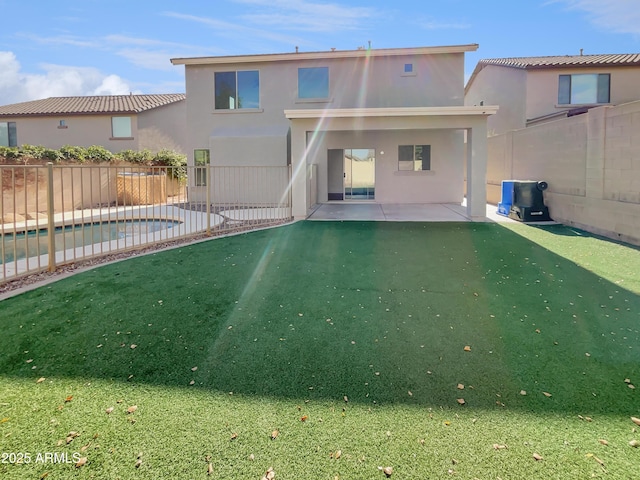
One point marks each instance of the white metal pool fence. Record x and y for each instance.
(98, 210)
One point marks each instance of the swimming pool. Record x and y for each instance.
(36, 242)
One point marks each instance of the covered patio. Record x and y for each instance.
(311, 127)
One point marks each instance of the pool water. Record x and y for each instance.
(36, 243)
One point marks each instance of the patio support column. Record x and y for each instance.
(298, 170)
(477, 171)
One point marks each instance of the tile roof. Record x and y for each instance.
(565, 61)
(559, 61)
(91, 104)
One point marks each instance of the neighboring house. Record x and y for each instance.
(531, 90)
(375, 125)
(116, 122)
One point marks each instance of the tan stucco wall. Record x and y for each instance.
(373, 82)
(156, 129)
(443, 184)
(163, 128)
(82, 130)
(542, 88)
(527, 94)
(505, 87)
(592, 165)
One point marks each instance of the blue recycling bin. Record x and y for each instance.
(506, 200)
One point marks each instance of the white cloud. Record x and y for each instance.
(55, 81)
(112, 85)
(619, 16)
(151, 53)
(308, 16)
(236, 31)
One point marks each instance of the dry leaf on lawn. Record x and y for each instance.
(461, 401)
(81, 462)
(603, 441)
(40, 380)
(634, 443)
(537, 456)
(546, 394)
(269, 474)
(210, 469)
(274, 434)
(497, 446)
(635, 420)
(68, 399)
(109, 410)
(467, 348)
(132, 408)
(460, 386)
(338, 454)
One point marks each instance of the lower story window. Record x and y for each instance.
(201, 158)
(8, 134)
(414, 158)
(121, 127)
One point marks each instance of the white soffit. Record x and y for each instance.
(485, 110)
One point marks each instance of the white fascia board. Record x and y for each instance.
(391, 112)
(293, 56)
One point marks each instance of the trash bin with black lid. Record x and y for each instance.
(523, 201)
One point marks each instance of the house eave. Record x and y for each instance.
(323, 55)
(484, 110)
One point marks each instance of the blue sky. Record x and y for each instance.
(95, 47)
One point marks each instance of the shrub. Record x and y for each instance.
(31, 152)
(52, 155)
(177, 162)
(9, 153)
(98, 154)
(73, 153)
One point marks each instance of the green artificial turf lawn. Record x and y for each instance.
(360, 329)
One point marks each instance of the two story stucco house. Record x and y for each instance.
(374, 125)
(116, 122)
(532, 90)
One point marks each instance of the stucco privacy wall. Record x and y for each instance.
(592, 165)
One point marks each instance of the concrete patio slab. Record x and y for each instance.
(430, 212)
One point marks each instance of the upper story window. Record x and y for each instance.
(584, 88)
(8, 134)
(234, 90)
(414, 158)
(313, 82)
(121, 127)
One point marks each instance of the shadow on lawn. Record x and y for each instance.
(380, 312)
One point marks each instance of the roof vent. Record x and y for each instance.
(581, 50)
(296, 49)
